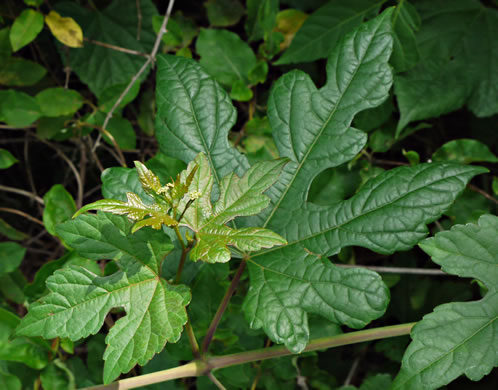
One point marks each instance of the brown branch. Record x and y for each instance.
(134, 79)
(223, 305)
(483, 193)
(22, 192)
(22, 214)
(117, 48)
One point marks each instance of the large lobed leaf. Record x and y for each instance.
(311, 127)
(79, 300)
(457, 338)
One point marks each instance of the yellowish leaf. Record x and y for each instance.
(288, 22)
(65, 29)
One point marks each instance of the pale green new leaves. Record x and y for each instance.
(237, 197)
(79, 300)
(135, 208)
(457, 338)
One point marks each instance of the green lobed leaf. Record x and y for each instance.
(6, 159)
(79, 300)
(18, 108)
(237, 197)
(456, 62)
(324, 28)
(59, 101)
(11, 256)
(15, 71)
(389, 213)
(59, 207)
(457, 338)
(100, 67)
(406, 22)
(195, 114)
(464, 151)
(25, 28)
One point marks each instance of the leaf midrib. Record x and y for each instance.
(320, 132)
(197, 126)
(355, 217)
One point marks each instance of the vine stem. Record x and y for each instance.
(222, 307)
(204, 367)
(146, 64)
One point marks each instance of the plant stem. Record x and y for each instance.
(193, 340)
(22, 192)
(146, 64)
(223, 305)
(396, 270)
(203, 367)
(22, 214)
(179, 236)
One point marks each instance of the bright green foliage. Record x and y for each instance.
(59, 101)
(18, 108)
(97, 66)
(222, 13)
(406, 22)
(59, 207)
(6, 159)
(322, 31)
(457, 338)
(25, 28)
(464, 151)
(237, 197)
(11, 255)
(457, 62)
(187, 202)
(79, 300)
